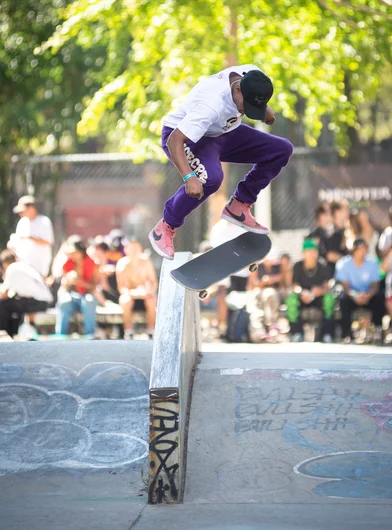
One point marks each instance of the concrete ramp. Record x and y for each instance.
(295, 434)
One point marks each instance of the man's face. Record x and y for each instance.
(325, 219)
(310, 255)
(29, 212)
(360, 252)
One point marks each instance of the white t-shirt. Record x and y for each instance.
(209, 109)
(26, 282)
(27, 250)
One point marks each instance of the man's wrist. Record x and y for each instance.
(189, 175)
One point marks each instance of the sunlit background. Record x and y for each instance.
(84, 85)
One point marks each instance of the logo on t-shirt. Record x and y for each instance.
(230, 122)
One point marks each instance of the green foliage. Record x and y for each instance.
(328, 52)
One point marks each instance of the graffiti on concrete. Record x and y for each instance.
(351, 475)
(381, 411)
(53, 417)
(164, 447)
(320, 409)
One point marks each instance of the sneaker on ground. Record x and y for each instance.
(128, 335)
(161, 239)
(327, 338)
(239, 213)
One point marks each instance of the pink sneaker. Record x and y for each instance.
(239, 213)
(161, 238)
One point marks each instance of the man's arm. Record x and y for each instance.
(38, 240)
(175, 144)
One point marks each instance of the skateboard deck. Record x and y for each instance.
(215, 265)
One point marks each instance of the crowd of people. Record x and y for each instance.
(346, 268)
(346, 265)
(107, 271)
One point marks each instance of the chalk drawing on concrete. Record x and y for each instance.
(51, 416)
(381, 411)
(350, 474)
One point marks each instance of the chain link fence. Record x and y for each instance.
(93, 194)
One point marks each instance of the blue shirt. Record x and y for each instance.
(359, 278)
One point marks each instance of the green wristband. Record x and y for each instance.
(193, 174)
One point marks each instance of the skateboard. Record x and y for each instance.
(215, 265)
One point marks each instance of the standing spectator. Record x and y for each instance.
(360, 277)
(386, 266)
(310, 289)
(361, 227)
(23, 291)
(79, 281)
(323, 227)
(385, 241)
(33, 238)
(137, 284)
(334, 243)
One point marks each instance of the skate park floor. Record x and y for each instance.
(293, 436)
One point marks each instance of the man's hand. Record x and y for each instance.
(362, 299)
(194, 188)
(317, 291)
(270, 116)
(307, 297)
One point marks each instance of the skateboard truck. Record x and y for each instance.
(203, 294)
(253, 267)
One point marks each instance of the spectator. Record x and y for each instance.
(137, 284)
(360, 278)
(116, 250)
(361, 227)
(286, 269)
(23, 291)
(386, 266)
(79, 281)
(267, 279)
(310, 289)
(107, 288)
(33, 238)
(385, 241)
(334, 244)
(323, 227)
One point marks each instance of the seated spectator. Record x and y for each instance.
(79, 281)
(23, 291)
(333, 244)
(267, 279)
(137, 284)
(107, 287)
(385, 241)
(116, 250)
(286, 270)
(310, 289)
(360, 278)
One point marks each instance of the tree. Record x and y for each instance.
(328, 53)
(40, 96)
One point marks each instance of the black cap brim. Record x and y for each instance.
(255, 113)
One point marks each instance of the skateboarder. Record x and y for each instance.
(206, 130)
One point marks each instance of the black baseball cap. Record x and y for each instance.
(257, 89)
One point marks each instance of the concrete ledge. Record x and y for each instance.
(176, 348)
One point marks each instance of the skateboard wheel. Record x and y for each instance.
(203, 295)
(253, 267)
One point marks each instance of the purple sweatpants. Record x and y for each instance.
(244, 145)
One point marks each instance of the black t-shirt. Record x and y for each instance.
(334, 243)
(308, 278)
(273, 271)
